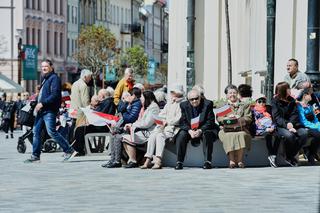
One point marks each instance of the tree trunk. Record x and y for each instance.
(228, 42)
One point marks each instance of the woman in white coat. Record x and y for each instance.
(167, 127)
(141, 128)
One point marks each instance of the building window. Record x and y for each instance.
(33, 4)
(68, 13)
(72, 15)
(48, 42)
(55, 51)
(39, 4)
(27, 4)
(72, 45)
(122, 22)
(55, 7)
(28, 35)
(48, 6)
(75, 15)
(61, 44)
(39, 40)
(118, 15)
(68, 48)
(33, 36)
(61, 7)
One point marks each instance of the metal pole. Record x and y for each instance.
(12, 36)
(313, 43)
(190, 41)
(228, 42)
(271, 24)
(131, 23)
(19, 60)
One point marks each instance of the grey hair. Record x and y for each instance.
(85, 73)
(128, 71)
(194, 91)
(110, 91)
(139, 85)
(160, 95)
(199, 88)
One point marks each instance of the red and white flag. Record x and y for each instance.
(195, 122)
(223, 111)
(72, 113)
(99, 118)
(65, 96)
(158, 120)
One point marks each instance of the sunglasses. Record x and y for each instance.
(261, 101)
(194, 99)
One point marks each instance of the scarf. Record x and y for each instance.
(262, 110)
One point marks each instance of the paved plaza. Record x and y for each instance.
(84, 186)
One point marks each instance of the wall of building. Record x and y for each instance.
(248, 42)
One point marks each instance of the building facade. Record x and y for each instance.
(248, 24)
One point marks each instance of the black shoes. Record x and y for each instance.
(131, 165)
(179, 166)
(112, 165)
(207, 165)
(7, 136)
(11, 135)
(32, 159)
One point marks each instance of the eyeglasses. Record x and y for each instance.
(261, 101)
(194, 99)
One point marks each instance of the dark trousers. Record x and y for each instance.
(272, 145)
(293, 141)
(81, 131)
(183, 137)
(8, 124)
(315, 141)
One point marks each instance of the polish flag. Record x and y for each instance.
(158, 120)
(223, 111)
(99, 118)
(195, 122)
(68, 104)
(72, 113)
(65, 96)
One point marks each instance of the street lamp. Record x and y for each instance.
(20, 52)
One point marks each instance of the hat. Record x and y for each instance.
(260, 96)
(177, 88)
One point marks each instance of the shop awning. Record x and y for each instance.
(7, 85)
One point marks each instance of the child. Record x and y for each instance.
(265, 127)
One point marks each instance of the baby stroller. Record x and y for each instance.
(27, 119)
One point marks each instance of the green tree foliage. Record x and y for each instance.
(136, 58)
(95, 47)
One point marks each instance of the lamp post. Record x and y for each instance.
(19, 60)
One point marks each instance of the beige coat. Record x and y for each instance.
(233, 141)
(79, 94)
(171, 113)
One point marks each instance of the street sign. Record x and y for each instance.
(110, 73)
(30, 62)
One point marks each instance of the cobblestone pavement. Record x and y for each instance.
(84, 186)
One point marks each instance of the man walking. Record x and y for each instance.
(46, 111)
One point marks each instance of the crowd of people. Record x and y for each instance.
(148, 120)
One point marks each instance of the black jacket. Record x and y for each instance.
(284, 112)
(207, 117)
(50, 93)
(107, 106)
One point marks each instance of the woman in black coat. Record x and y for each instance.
(8, 116)
(286, 118)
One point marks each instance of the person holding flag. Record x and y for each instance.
(167, 126)
(235, 139)
(197, 123)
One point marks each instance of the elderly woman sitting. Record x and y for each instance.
(235, 141)
(167, 126)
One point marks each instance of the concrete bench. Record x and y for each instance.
(256, 156)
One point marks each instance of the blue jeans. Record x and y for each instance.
(49, 119)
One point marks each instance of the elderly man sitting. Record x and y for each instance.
(197, 123)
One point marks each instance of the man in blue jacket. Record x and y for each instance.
(46, 110)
